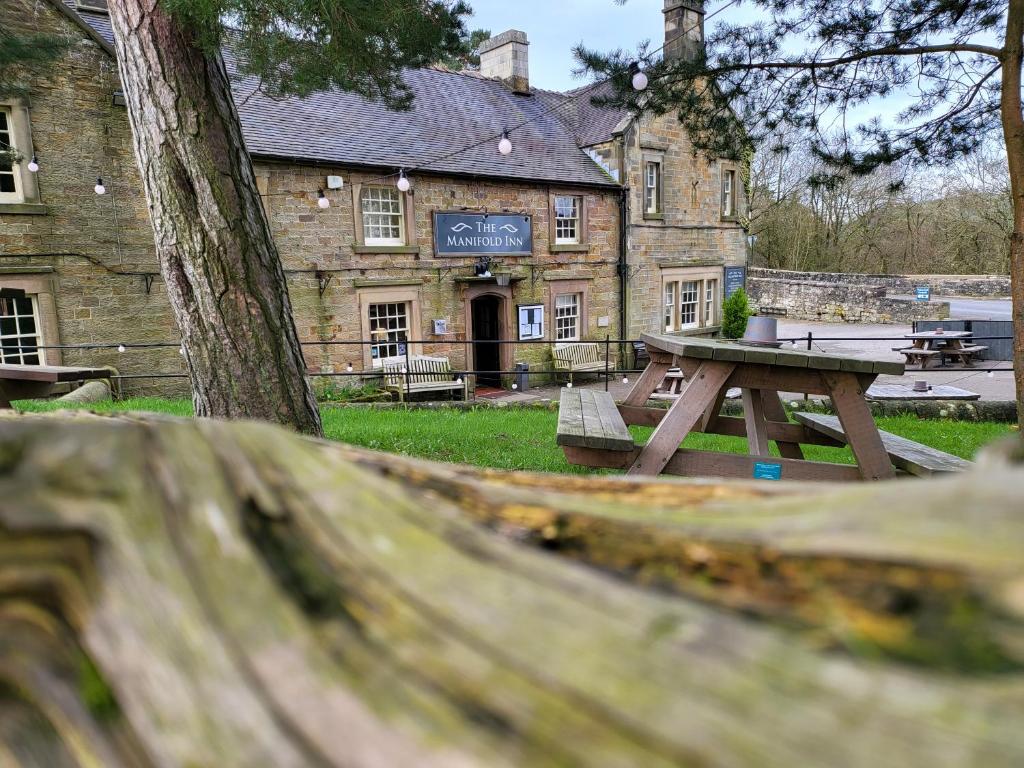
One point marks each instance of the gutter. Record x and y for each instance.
(623, 265)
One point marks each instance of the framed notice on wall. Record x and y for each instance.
(531, 321)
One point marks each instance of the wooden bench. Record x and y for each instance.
(908, 455)
(589, 418)
(578, 357)
(917, 355)
(965, 353)
(25, 382)
(426, 374)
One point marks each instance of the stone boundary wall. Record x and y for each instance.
(804, 299)
(965, 286)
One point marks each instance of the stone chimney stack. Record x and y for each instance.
(506, 56)
(684, 28)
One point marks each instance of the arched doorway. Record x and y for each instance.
(486, 320)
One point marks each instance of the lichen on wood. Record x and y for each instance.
(238, 595)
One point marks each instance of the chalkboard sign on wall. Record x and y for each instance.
(735, 278)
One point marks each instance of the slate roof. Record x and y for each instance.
(450, 112)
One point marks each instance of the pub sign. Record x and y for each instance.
(474, 234)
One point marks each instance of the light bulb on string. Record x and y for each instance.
(348, 368)
(991, 374)
(321, 199)
(514, 385)
(625, 379)
(403, 182)
(569, 385)
(120, 347)
(505, 145)
(33, 164)
(99, 189)
(640, 80)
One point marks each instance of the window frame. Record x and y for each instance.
(706, 313)
(563, 287)
(728, 175)
(390, 294)
(582, 242)
(38, 334)
(577, 316)
(577, 219)
(379, 361)
(399, 215)
(18, 195)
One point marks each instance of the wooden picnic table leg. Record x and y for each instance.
(847, 395)
(648, 381)
(757, 426)
(700, 392)
(712, 413)
(775, 411)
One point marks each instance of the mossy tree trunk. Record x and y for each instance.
(224, 594)
(223, 273)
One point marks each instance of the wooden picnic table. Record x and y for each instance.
(595, 431)
(927, 345)
(24, 382)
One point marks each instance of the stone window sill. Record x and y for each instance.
(654, 216)
(570, 248)
(23, 209)
(37, 270)
(414, 249)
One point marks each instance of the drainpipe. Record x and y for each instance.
(623, 269)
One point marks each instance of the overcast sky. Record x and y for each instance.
(555, 26)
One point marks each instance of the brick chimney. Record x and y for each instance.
(506, 57)
(684, 28)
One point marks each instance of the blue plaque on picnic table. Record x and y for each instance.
(735, 278)
(767, 470)
(478, 234)
(924, 293)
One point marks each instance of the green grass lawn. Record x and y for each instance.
(524, 438)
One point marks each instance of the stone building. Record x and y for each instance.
(595, 225)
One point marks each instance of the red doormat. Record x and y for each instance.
(490, 392)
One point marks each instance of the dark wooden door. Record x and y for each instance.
(487, 328)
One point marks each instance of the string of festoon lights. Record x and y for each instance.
(639, 81)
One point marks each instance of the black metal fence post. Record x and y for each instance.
(408, 371)
(607, 343)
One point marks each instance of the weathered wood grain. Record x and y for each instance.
(209, 594)
(908, 455)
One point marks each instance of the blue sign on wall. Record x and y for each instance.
(765, 470)
(472, 234)
(923, 293)
(735, 278)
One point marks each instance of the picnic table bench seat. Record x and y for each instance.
(590, 419)
(425, 374)
(578, 357)
(910, 456)
(966, 353)
(24, 382)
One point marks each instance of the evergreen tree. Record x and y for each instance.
(218, 259)
(23, 57)
(735, 312)
(468, 55)
(808, 64)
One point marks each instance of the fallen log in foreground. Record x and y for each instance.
(180, 593)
